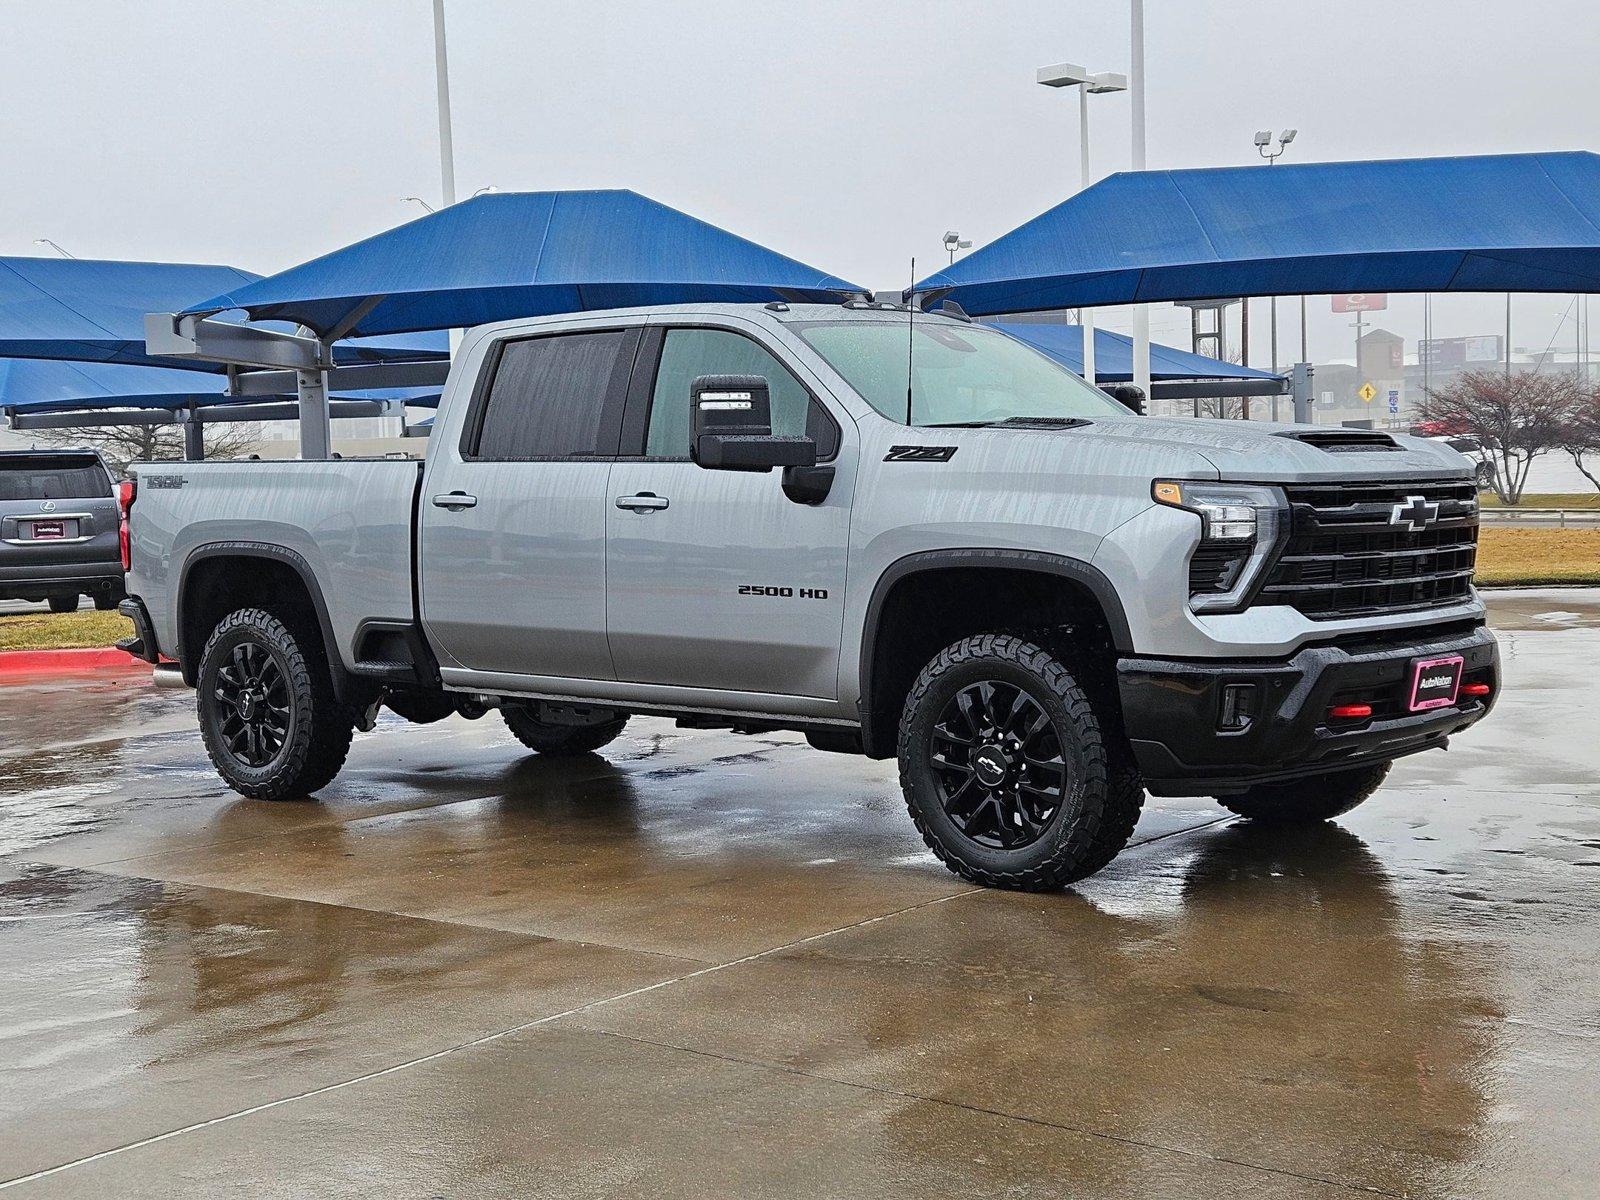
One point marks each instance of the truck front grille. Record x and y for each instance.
(1347, 557)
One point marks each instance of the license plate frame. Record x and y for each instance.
(1426, 692)
(52, 530)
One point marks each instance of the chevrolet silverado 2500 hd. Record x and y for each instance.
(742, 516)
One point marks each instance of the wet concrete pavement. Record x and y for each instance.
(709, 965)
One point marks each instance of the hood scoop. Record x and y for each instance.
(1343, 441)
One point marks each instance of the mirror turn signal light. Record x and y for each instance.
(1350, 712)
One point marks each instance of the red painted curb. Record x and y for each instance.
(16, 663)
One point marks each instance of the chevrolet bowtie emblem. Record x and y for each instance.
(1416, 513)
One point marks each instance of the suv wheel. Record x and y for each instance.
(268, 715)
(1007, 771)
(1306, 801)
(549, 737)
(64, 604)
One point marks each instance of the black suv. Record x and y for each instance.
(60, 529)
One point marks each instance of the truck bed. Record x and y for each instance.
(351, 522)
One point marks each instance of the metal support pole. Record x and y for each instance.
(1085, 316)
(1508, 335)
(1304, 357)
(194, 439)
(1300, 377)
(1426, 353)
(1244, 348)
(1141, 312)
(1274, 352)
(441, 71)
(316, 437)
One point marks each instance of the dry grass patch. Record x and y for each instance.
(63, 631)
(1533, 556)
(1545, 500)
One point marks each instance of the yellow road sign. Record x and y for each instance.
(1366, 391)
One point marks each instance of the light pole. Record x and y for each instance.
(1271, 151)
(1141, 312)
(53, 246)
(441, 72)
(953, 242)
(418, 200)
(1071, 75)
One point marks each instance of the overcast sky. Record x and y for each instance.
(847, 134)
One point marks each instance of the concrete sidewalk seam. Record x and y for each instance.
(1083, 1131)
(485, 1040)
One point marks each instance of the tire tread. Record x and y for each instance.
(1110, 777)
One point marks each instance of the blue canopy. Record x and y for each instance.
(1113, 354)
(1497, 223)
(39, 385)
(93, 310)
(523, 254)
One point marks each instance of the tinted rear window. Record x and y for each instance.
(53, 477)
(548, 396)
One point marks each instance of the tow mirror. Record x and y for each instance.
(730, 427)
(1129, 396)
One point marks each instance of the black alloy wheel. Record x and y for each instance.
(1007, 770)
(995, 752)
(271, 722)
(256, 705)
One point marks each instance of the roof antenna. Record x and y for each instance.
(911, 331)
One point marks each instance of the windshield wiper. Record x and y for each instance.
(1014, 423)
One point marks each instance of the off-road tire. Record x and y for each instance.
(1308, 800)
(1102, 794)
(319, 726)
(559, 740)
(63, 604)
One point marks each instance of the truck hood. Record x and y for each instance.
(1271, 452)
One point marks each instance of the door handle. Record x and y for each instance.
(643, 502)
(455, 501)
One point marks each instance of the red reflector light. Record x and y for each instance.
(1349, 712)
(1475, 689)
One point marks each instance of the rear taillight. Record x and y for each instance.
(125, 494)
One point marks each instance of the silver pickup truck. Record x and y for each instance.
(901, 533)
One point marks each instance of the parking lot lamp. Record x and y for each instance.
(1088, 83)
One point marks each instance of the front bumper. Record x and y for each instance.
(1173, 711)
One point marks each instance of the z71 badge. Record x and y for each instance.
(920, 454)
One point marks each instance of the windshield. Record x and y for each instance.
(959, 376)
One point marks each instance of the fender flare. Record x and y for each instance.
(1090, 578)
(190, 664)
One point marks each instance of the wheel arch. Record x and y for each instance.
(1087, 590)
(203, 598)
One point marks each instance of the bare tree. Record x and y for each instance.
(1516, 418)
(124, 444)
(1580, 433)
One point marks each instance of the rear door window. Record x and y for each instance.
(53, 477)
(549, 396)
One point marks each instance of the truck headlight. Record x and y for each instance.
(1241, 525)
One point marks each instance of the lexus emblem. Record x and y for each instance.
(48, 506)
(1415, 513)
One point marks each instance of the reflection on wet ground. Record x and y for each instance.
(707, 965)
